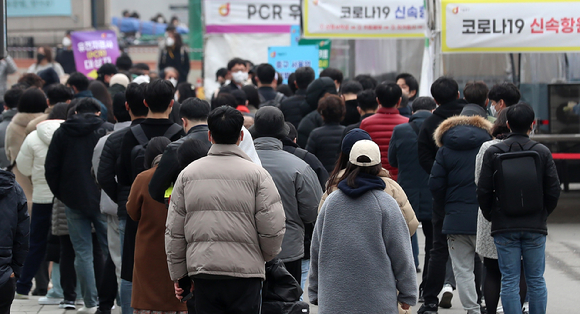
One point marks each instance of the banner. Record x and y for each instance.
(93, 49)
(287, 59)
(510, 26)
(364, 18)
(323, 51)
(256, 16)
(21, 8)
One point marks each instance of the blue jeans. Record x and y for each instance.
(79, 226)
(39, 230)
(126, 291)
(415, 247)
(511, 248)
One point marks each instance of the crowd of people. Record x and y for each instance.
(130, 190)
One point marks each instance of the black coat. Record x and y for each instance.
(178, 59)
(14, 227)
(352, 116)
(168, 168)
(426, 144)
(66, 58)
(295, 107)
(535, 222)
(310, 122)
(404, 156)
(68, 165)
(310, 159)
(452, 180)
(107, 173)
(324, 142)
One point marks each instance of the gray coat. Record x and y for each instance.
(6, 118)
(361, 256)
(298, 186)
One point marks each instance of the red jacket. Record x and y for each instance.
(380, 127)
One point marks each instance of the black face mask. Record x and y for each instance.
(40, 57)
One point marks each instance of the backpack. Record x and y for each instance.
(138, 152)
(518, 180)
(274, 102)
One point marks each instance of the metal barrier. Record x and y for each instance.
(20, 47)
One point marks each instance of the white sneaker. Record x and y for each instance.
(446, 297)
(80, 301)
(87, 310)
(19, 296)
(526, 308)
(49, 301)
(499, 309)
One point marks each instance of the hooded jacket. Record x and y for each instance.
(425, 143)
(535, 222)
(412, 178)
(452, 180)
(14, 227)
(391, 188)
(324, 142)
(299, 189)
(380, 127)
(295, 107)
(352, 116)
(69, 161)
(31, 159)
(7, 116)
(316, 90)
(348, 228)
(233, 227)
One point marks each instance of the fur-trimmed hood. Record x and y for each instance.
(462, 132)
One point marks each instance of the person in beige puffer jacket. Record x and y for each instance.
(392, 187)
(225, 220)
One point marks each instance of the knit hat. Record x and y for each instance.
(351, 138)
(368, 149)
(120, 79)
(317, 89)
(269, 122)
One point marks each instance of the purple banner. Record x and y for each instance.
(93, 49)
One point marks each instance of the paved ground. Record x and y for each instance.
(562, 276)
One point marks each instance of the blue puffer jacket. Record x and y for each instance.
(412, 178)
(452, 180)
(14, 227)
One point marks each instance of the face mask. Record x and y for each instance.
(492, 110)
(240, 77)
(169, 42)
(66, 42)
(173, 81)
(40, 57)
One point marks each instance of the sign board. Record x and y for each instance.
(93, 49)
(294, 35)
(287, 59)
(22, 8)
(364, 18)
(510, 26)
(323, 51)
(255, 16)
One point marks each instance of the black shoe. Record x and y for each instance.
(427, 309)
(67, 305)
(482, 309)
(99, 311)
(39, 292)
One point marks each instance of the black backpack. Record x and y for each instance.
(138, 152)
(273, 102)
(518, 179)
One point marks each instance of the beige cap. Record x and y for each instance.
(120, 79)
(365, 148)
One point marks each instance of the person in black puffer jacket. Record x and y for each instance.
(14, 233)
(296, 107)
(324, 142)
(316, 90)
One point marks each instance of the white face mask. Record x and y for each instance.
(492, 110)
(169, 42)
(240, 77)
(66, 42)
(173, 81)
